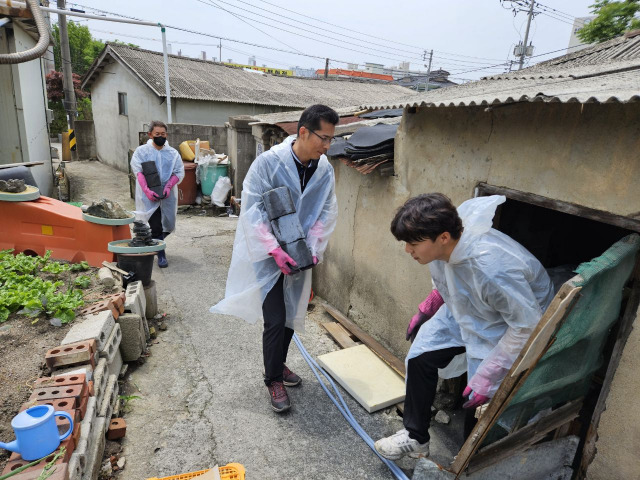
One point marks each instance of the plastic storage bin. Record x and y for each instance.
(231, 471)
(209, 176)
(187, 188)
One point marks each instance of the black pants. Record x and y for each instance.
(422, 381)
(276, 338)
(155, 222)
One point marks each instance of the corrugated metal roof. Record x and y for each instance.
(605, 73)
(203, 80)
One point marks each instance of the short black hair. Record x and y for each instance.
(312, 115)
(157, 123)
(426, 216)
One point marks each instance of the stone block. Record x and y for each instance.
(96, 326)
(71, 354)
(95, 449)
(110, 398)
(132, 343)
(278, 202)
(74, 469)
(106, 277)
(86, 429)
(287, 229)
(151, 300)
(86, 370)
(117, 429)
(100, 379)
(112, 344)
(299, 251)
(115, 366)
(136, 303)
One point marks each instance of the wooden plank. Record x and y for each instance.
(626, 325)
(339, 334)
(508, 387)
(16, 12)
(20, 164)
(375, 346)
(525, 437)
(114, 268)
(566, 207)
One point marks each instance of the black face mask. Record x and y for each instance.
(159, 141)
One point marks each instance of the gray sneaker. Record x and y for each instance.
(400, 444)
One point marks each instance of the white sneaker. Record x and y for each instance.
(400, 444)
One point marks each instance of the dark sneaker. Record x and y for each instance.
(279, 399)
(162, 259)
(289, 378)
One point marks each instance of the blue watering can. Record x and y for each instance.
(36, 432)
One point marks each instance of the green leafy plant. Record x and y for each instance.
(79, 267)
(125, 399)
(613, 18)
(82, 281)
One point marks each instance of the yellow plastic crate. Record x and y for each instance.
(231, 471)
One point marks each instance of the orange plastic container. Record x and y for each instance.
(231, 471)
(48, 224)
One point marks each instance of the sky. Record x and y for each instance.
(469, 38)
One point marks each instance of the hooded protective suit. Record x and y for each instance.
(253, 273)
(495, 293)
(168, 162)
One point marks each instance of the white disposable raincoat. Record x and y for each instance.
(168, 162)
(253, 273)
(495, 293)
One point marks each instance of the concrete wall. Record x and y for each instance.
(583, 154)
(216, 113)
(619, 429)
(242, 149)
(215, 135)
(86, 139)
(24, 132)
(115, 133)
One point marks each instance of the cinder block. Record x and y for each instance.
(83, 406)
(32, 473)
(151, 299)
(300, 252)
(95, 449)
(110, 398)
(100, 379)
(136, 302)
(61, 380)
(86, 370)
(131, 345)
(116, 365)
(86, 429)
(74, 469)
(97, 326)
(71, 354)
(117, 429)
(100, 306)
(74, 393)
(112, 344)
(287, 229)
(278, 202)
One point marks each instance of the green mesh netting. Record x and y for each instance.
(564, 372)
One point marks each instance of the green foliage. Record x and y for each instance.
(82, 281)
(83, 48)
(612, 20)
(22, 290)
(80, 267)
(85, 109)
(59, 123)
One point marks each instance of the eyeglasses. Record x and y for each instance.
(327, 140)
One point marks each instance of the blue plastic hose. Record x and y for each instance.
(344, 410)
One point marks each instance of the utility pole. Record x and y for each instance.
(429, 68)
(526, 35)
(220, 50)
(326, 68)
(67, 78)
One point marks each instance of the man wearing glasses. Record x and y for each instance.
(263, 282)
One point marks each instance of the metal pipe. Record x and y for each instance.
(12, 4)
(39, 48)
(167, 85)
(70, 13)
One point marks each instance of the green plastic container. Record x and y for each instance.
(209, 175)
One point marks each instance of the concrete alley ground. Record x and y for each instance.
(202, 400)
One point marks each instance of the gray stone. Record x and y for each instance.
(287, 229)
(110, 399)
(442, 417)
(444, 401)
(107, 209)
(112, 344)
(300, 253)
(101, 378)
(115, 366)
(429, 470)
(98, 326)
(132, 344)
(95, 450)
(136, 302)
(121, 462)
(74, 469)
(151, 299)
(13, 185)
(278, 202)
(106, 277)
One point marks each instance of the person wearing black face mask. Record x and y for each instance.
(156, 195)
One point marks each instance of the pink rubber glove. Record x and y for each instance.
(475, 400)
(315, 260)
(426, 310)
(143, 184)
(284, 261)
(169, 185)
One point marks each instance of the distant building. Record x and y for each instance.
(374, 68)
(418, 82)
(303, 72)
(574, 40)
(360, 75)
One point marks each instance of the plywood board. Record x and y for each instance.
(365, 376)
(339, 334)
